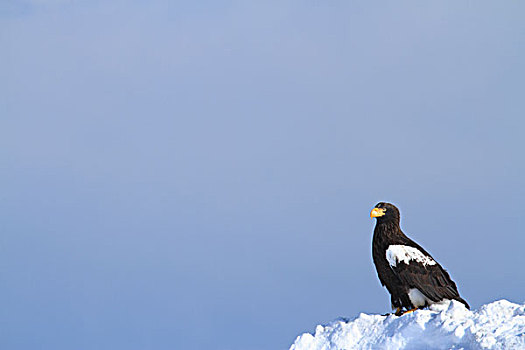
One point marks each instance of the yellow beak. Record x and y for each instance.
(377, 212)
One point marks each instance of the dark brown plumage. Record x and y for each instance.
(413, 278)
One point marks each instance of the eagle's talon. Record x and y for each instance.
(409, 311)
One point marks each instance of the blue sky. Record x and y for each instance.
(181, 175)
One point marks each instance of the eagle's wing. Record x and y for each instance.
(417, 269)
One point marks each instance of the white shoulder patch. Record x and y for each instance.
(402, 253)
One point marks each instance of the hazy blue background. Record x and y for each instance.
(199, 174)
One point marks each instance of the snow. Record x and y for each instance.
(402, 253)
(447, 325)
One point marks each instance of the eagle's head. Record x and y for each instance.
(385, 212)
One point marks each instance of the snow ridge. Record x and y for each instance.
(448, 325)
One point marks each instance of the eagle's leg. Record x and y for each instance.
(398, 311)
(408, 311)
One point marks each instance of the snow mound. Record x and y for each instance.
(448, 325)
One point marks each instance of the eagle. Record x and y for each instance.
(411, 275)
